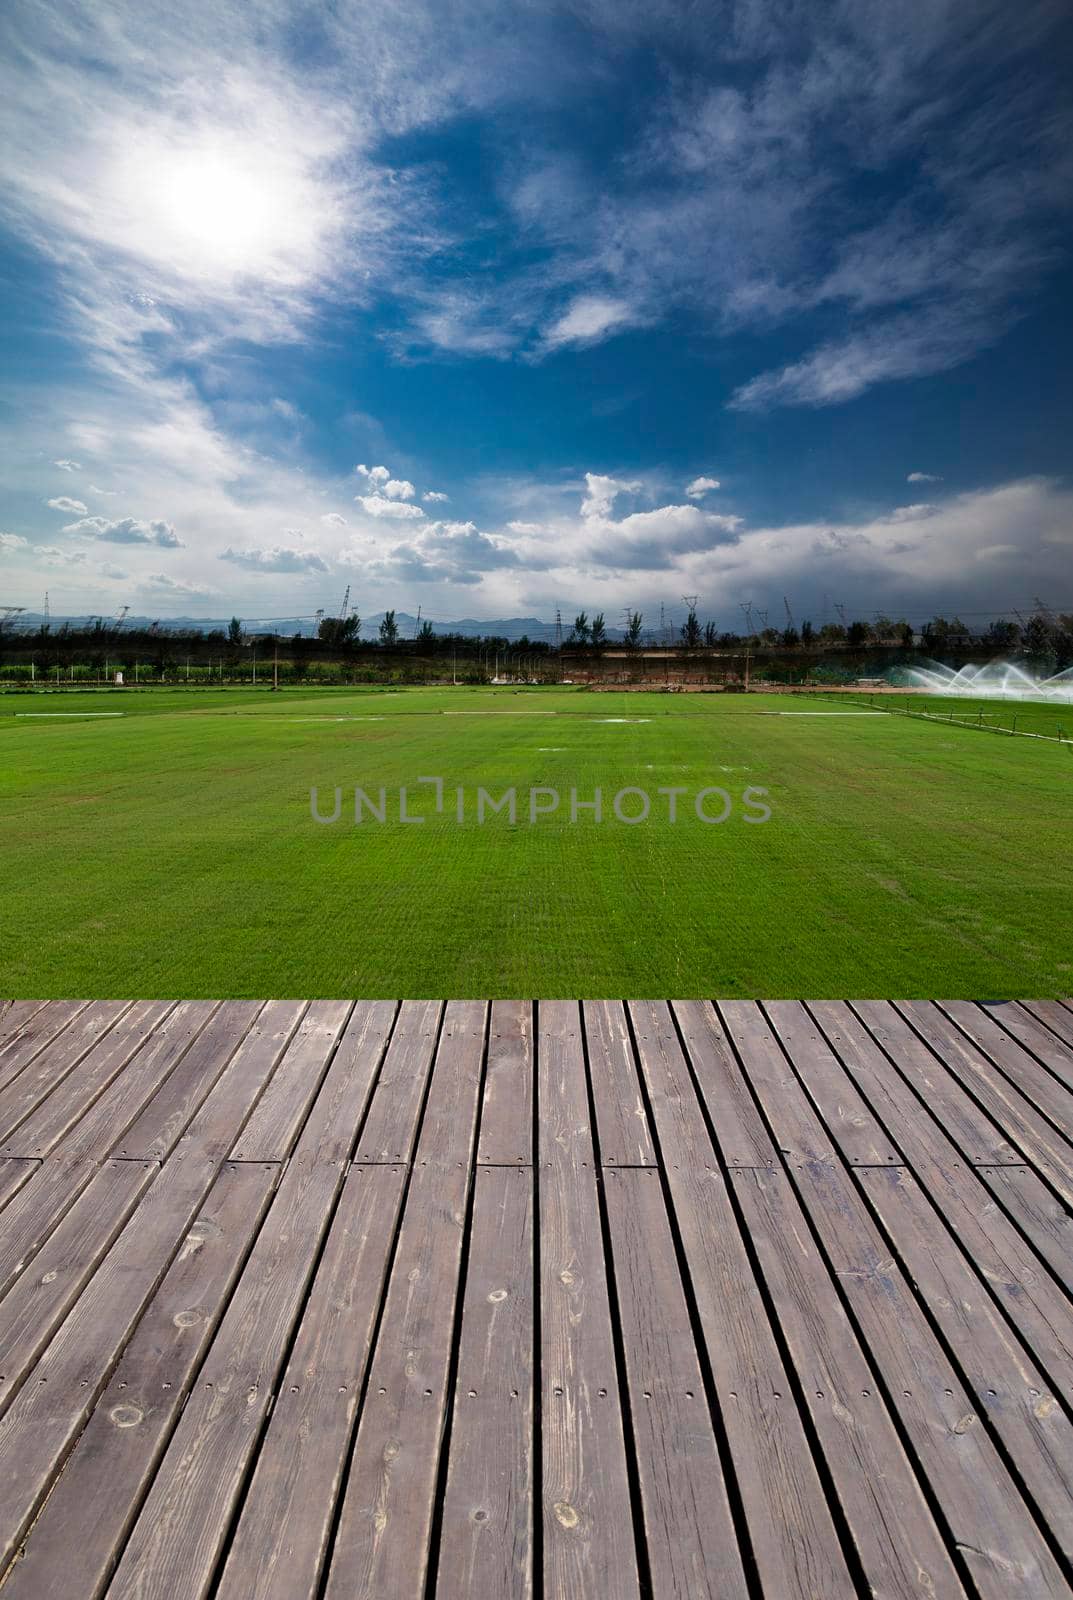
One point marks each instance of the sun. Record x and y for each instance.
(223, 208)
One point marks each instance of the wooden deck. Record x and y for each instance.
(337, 1300)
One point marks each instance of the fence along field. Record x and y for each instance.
(171, 850)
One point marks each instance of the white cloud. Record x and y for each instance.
(52, 556)
(107, 494)
(700, 487)
(332, 519)
(399, 489)
(923, 477)
(435, 495)
(68, 466)
(377, 506)
(176, 586)
(63, 502)
(588, 318)
(127, 530)
(602, 492)
(375, 475)
(276, 558)
(13, 541)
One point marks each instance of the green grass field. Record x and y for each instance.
(170, 850)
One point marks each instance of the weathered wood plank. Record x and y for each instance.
(1003, 1550)
(178, 1538)
(74, 1542)
(901, 1550)
(1038, 1035)
(272, 1129)
(15, 1014)
(98, 1046)
(1057, 1017)
(588, 1534)
(1048, 1090)
(334, 1120)
(794, 1541)
(382, 1541)
(1031, 1298)
(506, 1136)
(486, 1539)
(1046, 1223)
(621, 1120)
(860, 1136)
(281, 1540)
(394, 1114)
(998, 1541)
(38, 1031)
(691, 1541)
(1028, 1130)
(53, 1067)
(940, 1095)
(739, 1128)
(14, 1172)
(1005, 1384)
(50, 1409)
(174, 1104)
(38, 1300)
(40, 1204)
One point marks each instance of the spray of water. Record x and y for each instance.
(999, 680)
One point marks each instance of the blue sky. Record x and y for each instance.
(611, 302)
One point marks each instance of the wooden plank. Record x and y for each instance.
(1046, 1089)
(37, 1032)
(333, 1123)
(44, 1076)
(1003, 1551)
(279, 1545)
(588, 1535)
(1005, 1385)
(51, 1408)
(861, 1137)
(901, 1550)
(382, 1542)
(1031, 1298)
(739, 1128)
(178, 1538)
(998, 1542)
(273, 1127)
(621, 1120)
(195, 1024)
(506, 1137)
(1036, 1035)
(174, 1104)
(49, 1097)
(73, 1544)
(1057, 1017)
(38, 1207)
(692, 1545)
(219, 1120)
(1028, 1130)
(391, 1126)
(940, 1095)
(486, 1539)
(15, 1014)
(794, 1542)
(14, 1172)
(799, 1134)
(38, 1300)
(1046, 1222)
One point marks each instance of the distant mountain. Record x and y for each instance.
(511, 628)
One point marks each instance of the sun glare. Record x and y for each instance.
(223, 209)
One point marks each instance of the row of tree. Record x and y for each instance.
(1044, 637)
